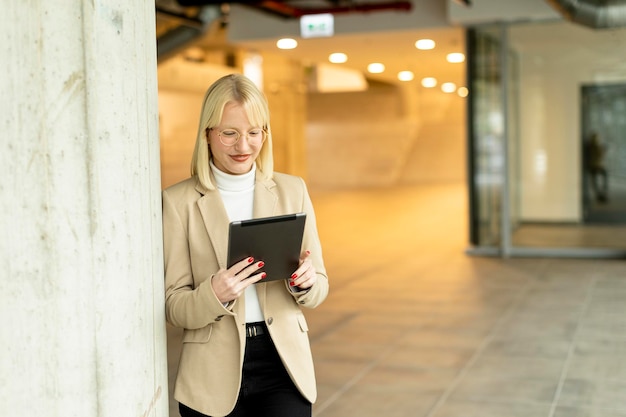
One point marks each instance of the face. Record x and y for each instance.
(238, 158)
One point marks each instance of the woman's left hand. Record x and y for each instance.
(305, 276)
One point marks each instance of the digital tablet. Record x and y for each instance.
(276, 240)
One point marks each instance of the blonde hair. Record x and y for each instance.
(231, 88)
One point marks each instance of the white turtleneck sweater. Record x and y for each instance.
(237, 193)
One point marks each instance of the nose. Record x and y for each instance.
(243, 142)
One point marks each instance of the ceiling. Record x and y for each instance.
(395, 49)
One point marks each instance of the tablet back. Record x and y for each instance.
(276, 240)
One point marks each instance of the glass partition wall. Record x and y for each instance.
(547, 129)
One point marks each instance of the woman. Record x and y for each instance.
(245, 343)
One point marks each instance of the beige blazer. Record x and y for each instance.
(195, 232)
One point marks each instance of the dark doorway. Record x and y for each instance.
(604, 153)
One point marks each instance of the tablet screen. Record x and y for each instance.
(276, 240)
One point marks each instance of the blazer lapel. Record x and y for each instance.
(216, 222)
(264, 198)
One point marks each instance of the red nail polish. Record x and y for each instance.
(308, 252)
(263, 275)
(250, 260)
(294, 276)
(260, 265)
(292, 283)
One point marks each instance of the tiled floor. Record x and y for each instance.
(413, 327)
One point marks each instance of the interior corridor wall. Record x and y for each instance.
(551, 76)
(182, 85)
(388, 135)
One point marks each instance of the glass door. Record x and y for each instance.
(604, 153)
(486, 137)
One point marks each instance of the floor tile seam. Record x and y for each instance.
(496, 401)
(481, 349)
(593, 408)
(343, 322)
(570, 354)
(476, 400)
(600, 380)
(358, 377)
(352, 382)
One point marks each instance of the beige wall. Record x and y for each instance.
(182, 85)
(285, 89)
(387, 135)
(551, 76)
(178, 116)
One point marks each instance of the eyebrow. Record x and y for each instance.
(234, 128)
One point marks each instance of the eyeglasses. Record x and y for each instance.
(229, 137)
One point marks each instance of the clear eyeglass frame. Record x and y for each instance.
(230, 137)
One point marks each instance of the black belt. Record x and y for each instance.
(255, 329)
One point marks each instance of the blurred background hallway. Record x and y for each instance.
(413, 327)
(401, 174)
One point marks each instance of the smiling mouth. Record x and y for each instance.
(240, 158)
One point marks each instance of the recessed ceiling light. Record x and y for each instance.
(338, 58)
(405, 75)
(376, 68)
(429, 82)
(448, 87)
(425, 44)
(455, 57)
(462, 91)
(286, 43)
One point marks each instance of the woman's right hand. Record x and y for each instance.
(229, 284)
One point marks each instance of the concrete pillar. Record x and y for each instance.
(81, 288)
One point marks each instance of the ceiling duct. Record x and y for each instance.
(596, 14)
(181, 28)
(293, 9)
(180, 23)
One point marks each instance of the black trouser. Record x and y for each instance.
(266, 388)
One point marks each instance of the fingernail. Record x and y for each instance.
(294, 276)
(308, 252)
(260, 265)
(250, 260)
(292, 283)
(263, 275)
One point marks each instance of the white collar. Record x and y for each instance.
(233, 183)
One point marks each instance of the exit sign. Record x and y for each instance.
(316, 25)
